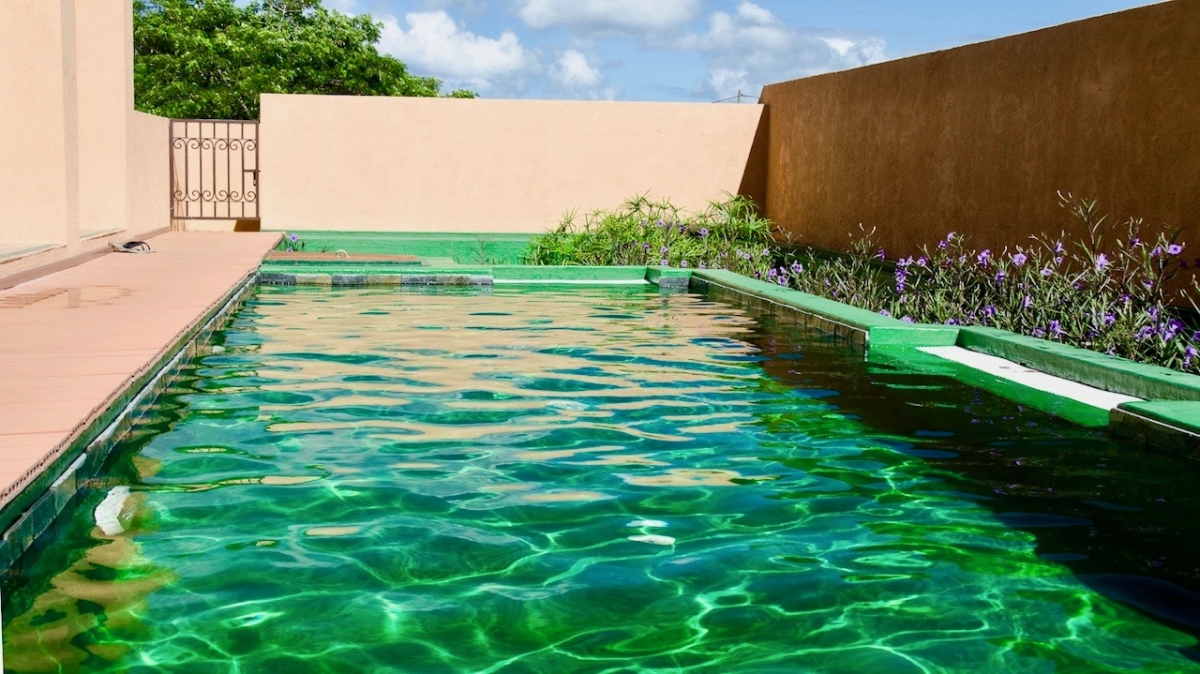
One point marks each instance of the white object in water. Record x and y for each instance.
(653, 539)
(567, 404)
(108, 513)
(649, 524)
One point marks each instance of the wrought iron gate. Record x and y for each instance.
(214, 169)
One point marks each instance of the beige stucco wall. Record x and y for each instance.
(979, 139)
(411, 164)
(149, 172)
(105, 96)
(37, 106)
(76, 161)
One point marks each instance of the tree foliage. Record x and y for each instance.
(210, 59)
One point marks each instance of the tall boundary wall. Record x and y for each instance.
(78, 167)
(450, 165)
(980, 138)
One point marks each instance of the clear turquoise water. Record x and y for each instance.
(600, 481)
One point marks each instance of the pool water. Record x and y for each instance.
(602, 480)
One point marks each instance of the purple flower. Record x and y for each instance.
(797, 267)
(1173, 327)
(885, 312)
(1047, 272)
(984, 257)
(907, 319)
(1135, 242)
(989, 310)
(663, 250)
(1101, 262)
(1019, 259)
(746, 256)
(1109, 319)
(1027, 302)
(1055, 329)
(1039, 333)
(766, 252)
(1058, 246)
(293, 237)
(1158, 250)
(1145, 333)
(950, 236)
(879, 254)
(1175, 249)
(771, 273)
(942, 245)
(952, 321)
(1057, 261)
(660, 223)
(683, 263)
(665, 262)
(1000, 276)
(1189, 353)
(922, 261)
(702, 266)
(703, 231)
(646, 246)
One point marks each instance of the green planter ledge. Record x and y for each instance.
(1102, 371)
(879, 330)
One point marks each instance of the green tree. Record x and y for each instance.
(210, 59)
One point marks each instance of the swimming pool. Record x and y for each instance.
(600, 480)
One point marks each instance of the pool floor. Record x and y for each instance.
(599, 480)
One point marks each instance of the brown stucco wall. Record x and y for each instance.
(449, 165)
(978, 139)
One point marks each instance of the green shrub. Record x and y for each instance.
(728, 234)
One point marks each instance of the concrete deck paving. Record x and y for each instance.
(72, 341)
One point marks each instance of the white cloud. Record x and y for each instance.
(434, 44)
(573, 71)
(609, 16)
(752, 47)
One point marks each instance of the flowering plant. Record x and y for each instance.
(292, 242)
(1109, 290)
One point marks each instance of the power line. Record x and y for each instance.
(738, 97)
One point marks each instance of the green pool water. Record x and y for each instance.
(607, 480)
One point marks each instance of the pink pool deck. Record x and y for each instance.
(73, 341)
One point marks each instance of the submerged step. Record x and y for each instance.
(1025, 376)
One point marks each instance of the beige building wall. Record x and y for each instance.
(104, 56)
(451, 165)
(149, 176)
(78, 166)
(37, 122)
(979, 139)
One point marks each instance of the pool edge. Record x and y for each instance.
(31, 504)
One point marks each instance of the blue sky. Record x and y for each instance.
(683, 50)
